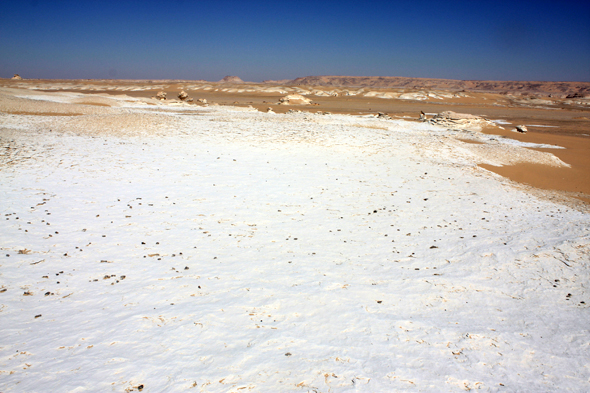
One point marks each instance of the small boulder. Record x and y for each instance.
(182, 95)
(521, 128)
(202, 101)
(17, 77)
(161, 95)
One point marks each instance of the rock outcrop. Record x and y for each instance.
(182, 95)
(454, 120)
(294, 99)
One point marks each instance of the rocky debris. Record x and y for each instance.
(202, 101)
(161, 95)
(182, 95)
(521, 128)
(190, 99)
(231, 79)
(294, 111)
(381, 115)
(454, 120)
(294, 99)
(17, 77)
(575, 95)
(269, 110)
(422, 116)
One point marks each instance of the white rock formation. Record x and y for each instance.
(454, 120)
(294, 99)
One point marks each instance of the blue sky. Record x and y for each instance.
(257, 40)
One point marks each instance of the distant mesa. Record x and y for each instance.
(278, 82)
(570, 89)
(17, 77)
(231, 79)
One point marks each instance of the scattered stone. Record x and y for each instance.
(422, 116)
(17, 77)
(521, 128)
(381, 115)
(182, 95)
(202, 101)
(269, 110)
(161, 95)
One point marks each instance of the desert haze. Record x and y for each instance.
(321, 234)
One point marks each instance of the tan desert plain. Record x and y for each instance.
(553, 113)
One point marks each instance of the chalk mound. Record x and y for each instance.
(231, 79)
(454, 120)
(17, 77)
(294, 99)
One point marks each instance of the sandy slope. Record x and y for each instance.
(220, 249)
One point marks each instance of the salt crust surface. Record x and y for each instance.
(280, 253)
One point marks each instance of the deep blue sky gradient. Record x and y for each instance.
(257, 40)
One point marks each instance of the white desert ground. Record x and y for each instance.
(162, 246)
